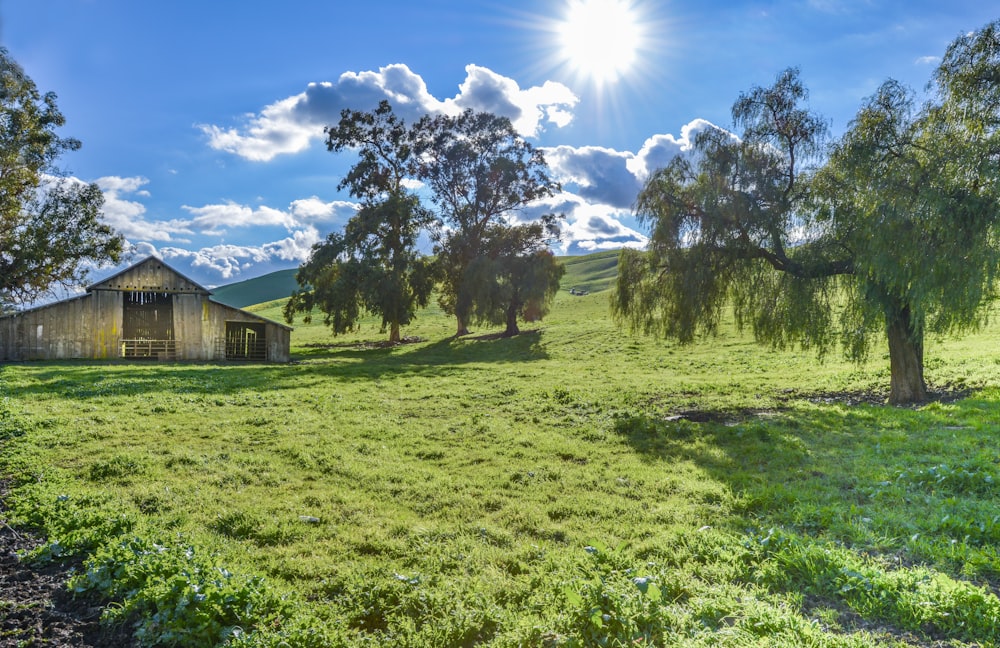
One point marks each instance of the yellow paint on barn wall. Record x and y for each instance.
(204, 311)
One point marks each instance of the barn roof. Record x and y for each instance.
(151, 274)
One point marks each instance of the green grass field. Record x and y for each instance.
(572, 486)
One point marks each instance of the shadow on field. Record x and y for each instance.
(92, 379)
(829, 459)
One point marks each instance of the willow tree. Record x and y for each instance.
(479, 171)
(374, 265)
(50, 226)
(890, 232)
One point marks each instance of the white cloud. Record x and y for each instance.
(128, 217)
(292, 124)
(928, 60)
(658, 150)
(296, 247)
(313, 209)
(609, 177)
(599, 174)
(228, 262)
(588, 226)
(217, 219)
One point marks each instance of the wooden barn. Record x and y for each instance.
(147, 311)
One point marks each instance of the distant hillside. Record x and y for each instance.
(590, 273)
(276, 285)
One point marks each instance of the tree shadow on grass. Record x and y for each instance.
(88, 379)
(820, 467)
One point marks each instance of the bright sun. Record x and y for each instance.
(600, 38)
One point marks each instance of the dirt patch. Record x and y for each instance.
(372, 344)
(36, 609)
(944, 394)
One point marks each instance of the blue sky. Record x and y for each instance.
(203, 121)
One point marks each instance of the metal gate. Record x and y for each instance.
(245, 341)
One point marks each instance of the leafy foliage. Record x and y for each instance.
(50, 227)
(516, 278)
(480, 171)
(374, 265)
(893, 233)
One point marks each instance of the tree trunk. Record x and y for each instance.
(463, 326)
(394, 337)
(512, 329)
(906, 360)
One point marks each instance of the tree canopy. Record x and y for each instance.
(50, 226)
(890, 231)
(374, 265)
(479, 171)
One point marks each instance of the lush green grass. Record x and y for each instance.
(571, 486)
(592, 272)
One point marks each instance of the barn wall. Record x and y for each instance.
(190, 332)
(85, 327)
(151, 275)
(90, 326)
(278, 337)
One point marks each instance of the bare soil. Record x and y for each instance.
(36, 608)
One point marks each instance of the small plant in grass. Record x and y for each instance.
(175, 596)
(611, 605)
(916, 599)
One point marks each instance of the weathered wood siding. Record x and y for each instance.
(278, 336)
(84, 327)
(151, 275)
(90, 326)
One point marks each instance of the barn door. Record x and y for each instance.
(245, 341)
(147, 325)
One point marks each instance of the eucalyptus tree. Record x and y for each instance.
(517, 276)
(890, 232)
(374, 265)
(479, 171)
(50, 225)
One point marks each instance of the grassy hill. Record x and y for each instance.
(275, 285)
(571, 486)
(590, 273)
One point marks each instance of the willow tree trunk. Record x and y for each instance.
(463, 326)
(906, 360)
(394, 336)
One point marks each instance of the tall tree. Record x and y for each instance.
(517, 276)
(50, 226)
(894, 232)
(374, 265)
(479, 170)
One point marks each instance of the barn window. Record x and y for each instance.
(245, 341)
(148, 325)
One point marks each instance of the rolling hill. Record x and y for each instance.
(275, 285)
(589, 273)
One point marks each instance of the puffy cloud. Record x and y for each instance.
(290, 125)
(601, 175)
(128, 217)
(218, 218)
(614, 178)
(313, 209)
(928, 60)
(658, 150)
(588, 226)
(229, 261)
